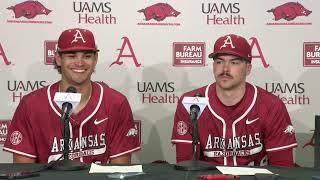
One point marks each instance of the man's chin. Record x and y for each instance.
(225, 85)
(79, 82)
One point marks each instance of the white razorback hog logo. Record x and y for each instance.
(77, 36)
(227, 41)
(132, 132)
(289, 130)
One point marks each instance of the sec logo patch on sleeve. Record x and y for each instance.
(15, 138)
(182, 128)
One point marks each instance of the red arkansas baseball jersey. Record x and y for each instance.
(258, 124)
(101, 131)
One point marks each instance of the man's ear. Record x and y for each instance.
(57, 59)
(249, 67)
(96, 58)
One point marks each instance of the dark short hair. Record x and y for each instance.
(58, 68)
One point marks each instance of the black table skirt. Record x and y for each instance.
(153, 171)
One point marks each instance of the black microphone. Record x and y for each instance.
(195, 109)
(194, 163)
(66, 164)
(65, 110)
(66, 106)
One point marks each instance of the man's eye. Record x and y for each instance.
(70, 56)
(235, 62)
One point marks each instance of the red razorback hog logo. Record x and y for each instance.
(29, 9)
(289, 11)
(159, 12)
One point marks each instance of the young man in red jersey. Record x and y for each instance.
(101, 125)
(242, 124)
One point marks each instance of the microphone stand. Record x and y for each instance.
(66, 164)
(194, 164)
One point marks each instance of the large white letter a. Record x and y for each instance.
(226, 42)
(77, 36)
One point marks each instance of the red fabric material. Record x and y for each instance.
(281, 158)
(184, 152)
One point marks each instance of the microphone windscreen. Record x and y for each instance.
(198, 95)
(71, 89)
(194, 108)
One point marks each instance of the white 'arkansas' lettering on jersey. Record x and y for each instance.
(86, 142)
(244, 145)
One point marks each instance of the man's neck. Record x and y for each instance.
(230, 97)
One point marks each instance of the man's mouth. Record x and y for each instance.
(78, 70)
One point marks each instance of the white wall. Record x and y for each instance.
(281, 44)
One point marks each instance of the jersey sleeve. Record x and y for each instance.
(282, 158)
(20, 139)
(124, 137)
(279, 132)
(181, 131)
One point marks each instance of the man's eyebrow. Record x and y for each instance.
(233, 59)
(218, 58)
(68, 53)
(89, 52)
(237, 58)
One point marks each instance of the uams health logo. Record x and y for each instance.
(21, 88)
(159, 12)
(157, 92)
(289, 93)
(285, 14)
(189, 54)
(222, 14)
(4, 125)
(29, 10)
(49, 51)
(311, 54)
(94, 12)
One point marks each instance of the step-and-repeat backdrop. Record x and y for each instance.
(153, 51)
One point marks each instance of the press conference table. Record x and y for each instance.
(153, 171)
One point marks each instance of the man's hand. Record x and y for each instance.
(22, 159)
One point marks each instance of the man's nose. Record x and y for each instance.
(79, 60)
(226, 66)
